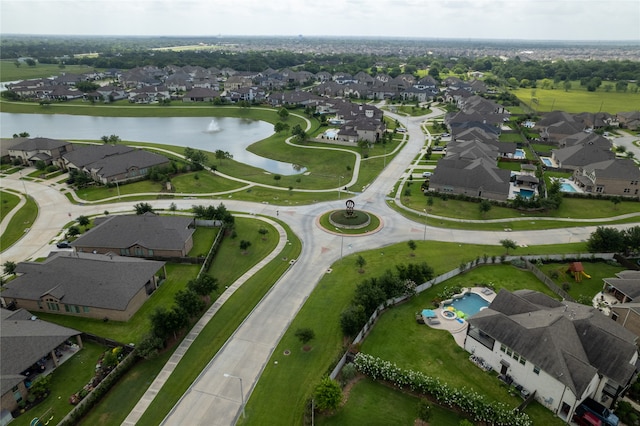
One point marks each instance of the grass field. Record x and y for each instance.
(19, 224)
(578, 99)
(9, 71)
(283, 389)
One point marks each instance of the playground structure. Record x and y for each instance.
(578, 272)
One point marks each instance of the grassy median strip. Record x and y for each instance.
(20, 223)
(283, 389)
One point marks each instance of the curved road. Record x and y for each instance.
(213, 399)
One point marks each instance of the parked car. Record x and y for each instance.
(587, 419)
(601, 412)
(426, 174)
(63, 244)
(445, 135)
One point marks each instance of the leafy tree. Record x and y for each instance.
(485, 206)
(189, 302)
(166, 322)
(86, 86)
(283, 113)
(173, 207)
(412, 246)
(9, 267)
(204, 285)
(40, 386)
(149, 346)
(263, 231)
(277, 178)
(508, 244)
(280, 127)
(142, 208)
(360, 262)
(616, 201)
(223, 155)
(83, 220)
(40, 165)
(305, 335)
(632, 239)
(424, 410)
(73, 231)
(327, 395)
(112, 139)
(21, 135)
(608, 240)
(352, 319)
(244, 245)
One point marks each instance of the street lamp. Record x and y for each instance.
(425, 224)
(117, 187)
(341, 241)
(241, 391)
(24, 186)
(340, 186)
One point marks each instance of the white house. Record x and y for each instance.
(562, 351)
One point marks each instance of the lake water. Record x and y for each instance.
(204, 133)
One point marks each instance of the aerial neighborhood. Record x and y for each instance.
(246, 273)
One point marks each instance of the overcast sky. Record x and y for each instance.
(466, 19)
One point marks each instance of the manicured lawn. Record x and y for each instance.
(223, 324)
(134, 329)
(398, 338)
(372, 403)
(10, 72)
(203, 239)
(587, 286)
(283, 389)
(9, 202)
(578, 208)
(19, 224)
(578, 99)
(67, 379)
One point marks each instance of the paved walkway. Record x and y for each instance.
(160, 380)
(214, 399)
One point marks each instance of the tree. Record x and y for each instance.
(277, 178)
(112, 139)
(603, 239)
(283, 113)
(165, 322)
(352, 319)
(204, 285)
(223, 155)
(412, 246)
(263, 231)
(244, 245)
(149, 346)
(73, 231)
(280, 127)
(360, 262)
(485, 206)
(424, 410)
(173, 208)
(9, 267)
(616, 201)
(327, 395)
(142, 208)
(305, 335)
(508, 244)
(189, 302)
(83, 220)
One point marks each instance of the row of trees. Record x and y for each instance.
(373, 292)
(612, 240)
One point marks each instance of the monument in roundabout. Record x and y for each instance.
(349, 217)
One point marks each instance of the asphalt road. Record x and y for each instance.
(214, 399)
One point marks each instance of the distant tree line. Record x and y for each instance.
(128, 52)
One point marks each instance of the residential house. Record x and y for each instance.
(148, 94)
(562, 352)
(85, 284)
(625, 287)
(477, 177)
(26, 340)
(556, 125)
(31, 150)
(609, 177)
(200, 94)
(113, 163)
(629, 120)
(146, 235)
(577, 156)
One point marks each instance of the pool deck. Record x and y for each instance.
(459, 330)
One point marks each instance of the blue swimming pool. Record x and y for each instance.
(470, 304)
(566, 187)
(547, 161)
(527, 193)
(519, 153)
(331, 133)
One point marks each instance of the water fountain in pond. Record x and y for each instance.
(213, 126)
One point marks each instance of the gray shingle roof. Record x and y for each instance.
(83, 279)
(148, 230)
(569, 341)
(24, 341)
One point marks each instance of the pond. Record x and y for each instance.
(204, 133)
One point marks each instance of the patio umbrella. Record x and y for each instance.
(428, 313)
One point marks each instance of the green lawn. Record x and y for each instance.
(20, 223)
(67, 379)
(9, 202)
(398, 338)
(587, 286)
(283, 389)
(578, 99)
(10, 72)
(374, 404)
(203, 239)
